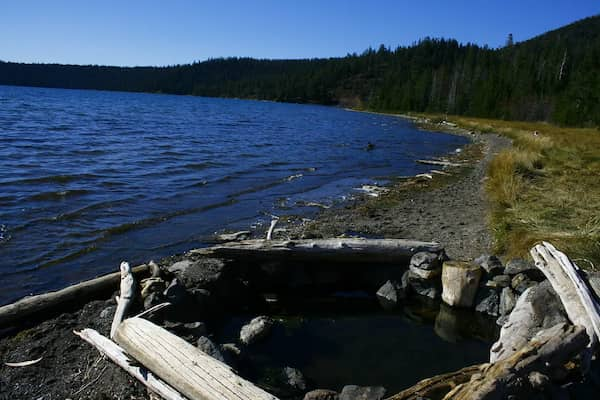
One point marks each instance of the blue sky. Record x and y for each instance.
(153, 32)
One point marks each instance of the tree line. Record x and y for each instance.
(554, 77)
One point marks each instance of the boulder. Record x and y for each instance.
(520, 266)
(321, 394)
(255, 330)
(353, 392)
(210, 348)
(536, 309)
(491, 265)
(431, 288)
(487, 301)
(460, 281)
(390, 293)
(508, 300)
(203, 273)
(426, 265)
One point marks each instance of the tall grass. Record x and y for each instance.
(545, 187)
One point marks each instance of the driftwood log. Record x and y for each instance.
(119, 357)
(346, 250)
(543, 355)
(126, 295)
(43, 304)
(578, 299)
(514, 376)
(439, 163)
(192, 372)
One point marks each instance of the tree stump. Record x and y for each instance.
(460, 281)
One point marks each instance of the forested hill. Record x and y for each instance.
(553, 77)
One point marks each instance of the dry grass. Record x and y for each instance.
(545, 187)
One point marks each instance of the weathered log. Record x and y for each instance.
(119, 357)
(460, 281)
(345, 250)
(576, 296)
(126, 294)
(441, 163)
(438, 386)
(545, 353)
(189, 370)
(43, 304)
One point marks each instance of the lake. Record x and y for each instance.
(91, 178)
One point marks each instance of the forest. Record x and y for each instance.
(553, 77)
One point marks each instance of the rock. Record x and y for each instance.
(502, 280)
(195, 328)
(232, 349)
(426, 265)
(508, 300)
(538, 381)
(175, 293)
(108, 312)
(153, 299)
(460, 281)
(210, 348)
(521, 282)
(594, 281)
(425, 287)
(390, 293)
(520, 266)
(537, 308)
(353, 392)
(491, 265)
(294, 378)
(257, 329)
(203, 273)
(488, 301)
(321, 394)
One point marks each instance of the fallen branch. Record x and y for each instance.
(273, 223)
(42, 304)
(119, 357)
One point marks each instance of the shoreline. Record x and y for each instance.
(397, 213)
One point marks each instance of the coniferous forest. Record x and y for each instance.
(554, 77)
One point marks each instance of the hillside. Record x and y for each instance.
(553, 77)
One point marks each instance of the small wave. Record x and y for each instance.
(51, 179)
(91, 152)
(202, 165)
(61, 195)
(293, 177)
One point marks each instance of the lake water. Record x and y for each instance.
(90, 178)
